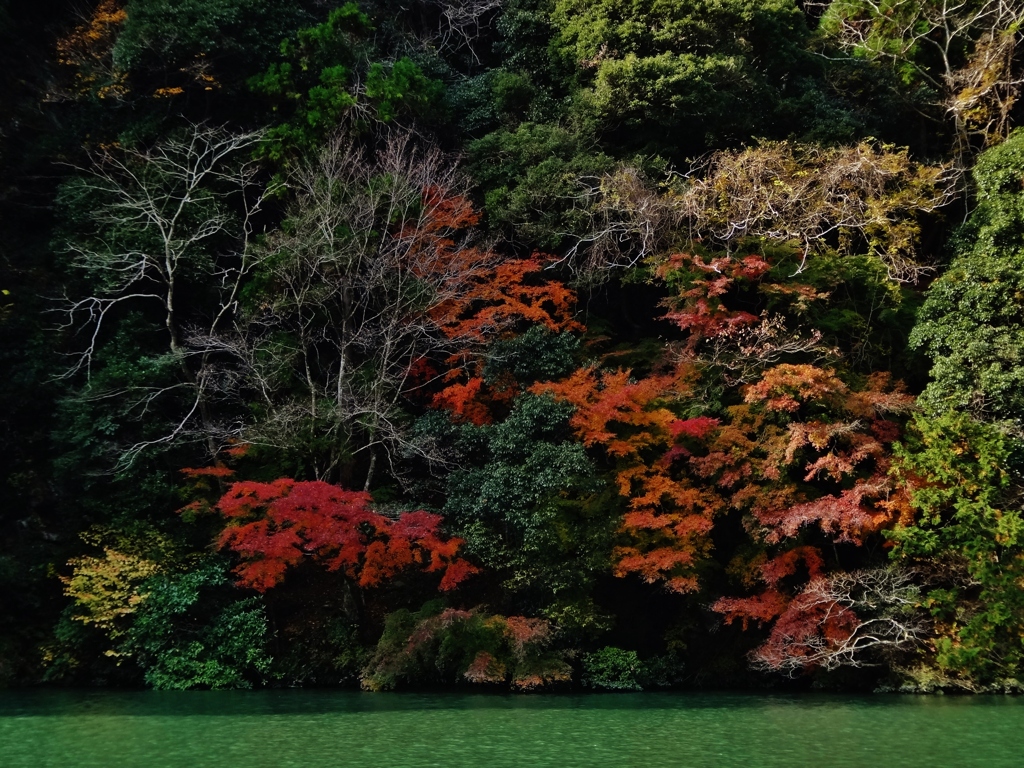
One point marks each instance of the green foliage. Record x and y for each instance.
(401, 87)
(312, 86)
(966, 481)
(856, 306)
(189, 633)
(970, 324)
(677, 78)
(851, 301)
(324, 650)
(330, 285)
(526, 29)
(530, 505)
(95, 423)
(612, 669)
(195, 35)
(445, 645)
(955, 60)
(535, 355)
(894, 31)
(529, 179)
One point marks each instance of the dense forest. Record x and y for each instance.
(516, 344)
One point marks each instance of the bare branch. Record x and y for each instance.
(160, 216)
(851, 619)
(964, 50)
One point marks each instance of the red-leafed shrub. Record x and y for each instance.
(275, 526)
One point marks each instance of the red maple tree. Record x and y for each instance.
(808, 457)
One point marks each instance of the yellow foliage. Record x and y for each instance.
(106, 589)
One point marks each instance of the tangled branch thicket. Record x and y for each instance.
(866, 198)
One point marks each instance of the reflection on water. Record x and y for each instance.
(314, 729)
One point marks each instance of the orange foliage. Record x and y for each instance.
(668, 518)
(237, 449)
(86, 51)
(482, 296)
(765, 455)
(275, 526)
(805, 453)
(464, 401)
(193, 472)
(523, 631)
(787, 387)
(511, 292)
(542, 676)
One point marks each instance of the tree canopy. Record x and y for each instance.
(533, 344)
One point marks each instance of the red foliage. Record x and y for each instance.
(775, 570)
(698, 428)
(885, 431)
(421, 373)
(808, 625)
(698, 308)
(760, 608)
(773, 601)
(845, 516)
(485, 669)
(275, 526)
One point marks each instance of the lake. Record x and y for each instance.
(322, 729)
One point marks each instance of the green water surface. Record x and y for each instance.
(315, 729)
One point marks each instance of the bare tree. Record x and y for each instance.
(450, 27)
(374, 248)
(461, 22)
(629, 220)
(159, 218)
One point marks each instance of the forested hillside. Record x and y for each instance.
(517, 344)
